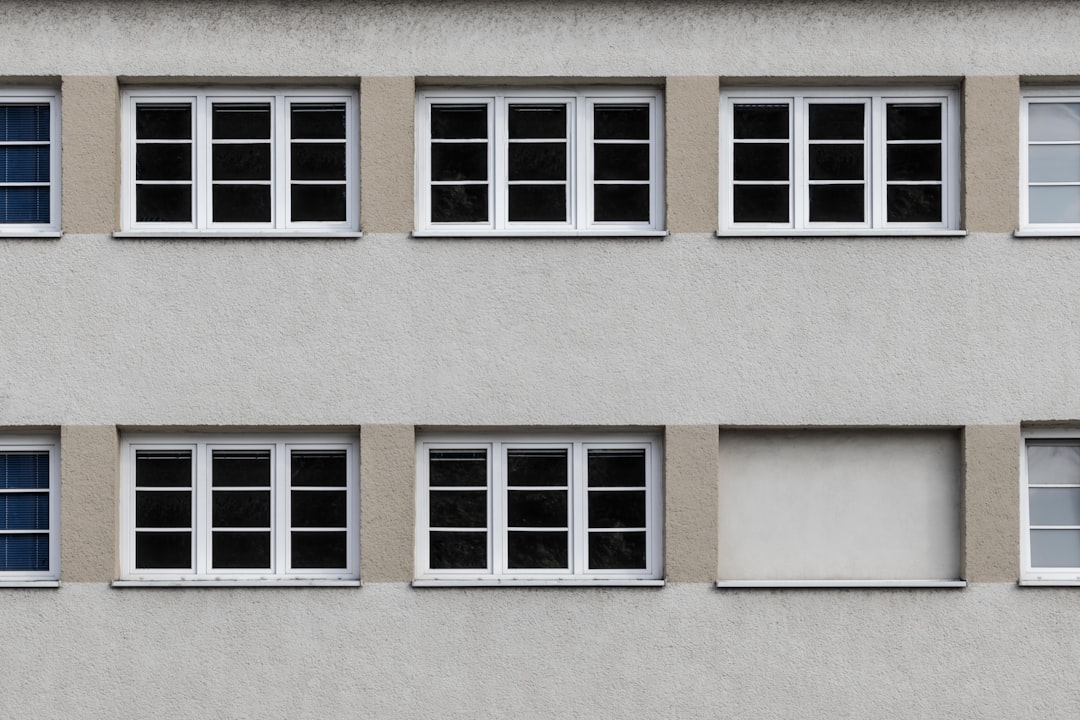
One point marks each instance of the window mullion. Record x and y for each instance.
(579, 530)
(280, 504)
(800, 183)
(580, 140)
(877, 173)
(498, 188)
(280, 140)
(497, 533)
(201, 177)
(200, 533)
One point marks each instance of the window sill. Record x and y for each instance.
(235, 234)
(537, 582)
(268, 583)
(30, 235)
(556, 234)
(45, 584)
(1049, 583)
(789, 233)
(1072, 233)
(779, 584)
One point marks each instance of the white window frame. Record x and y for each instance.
(38, 578)
(875, 99)
(496, 444)
(580, 102)
(201, 99)
(37, 96)
(1030, 575)
(1029, 97)
(201, 572)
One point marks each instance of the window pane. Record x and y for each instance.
(537, 121)
(539, 467)
(163, 122)
(458, 509)
(459, 203)
(24, 205)
(317, 161)
(24, 511)
(164, 550)
(241, 121)
(1054, 204)
(1055, 548)
(24, 470)
(621, 203)
(318, 203)
(163, 203)
(1054, 506)
(617, 509)
(536, 161)
(241, 508)
(621, 162)
(1054, 163)
(913, 203)
(536, 508)
(165, 161)
(836, 203)
(537, 550)
(457, 550)
(457, 468)
(616, 468)
(325, 468)
(1054, 121)
(841, 121)
(319, 508)
(241, 203)
(241, 468)
(914, 162)
(155, 468)
(169, 509)
(24, 123)
(761, 203)
(317, 121)
(761, 161)
(913, 121)
(537, 203)
(617, 551)
(761, 122)
(836, 162)
(459, 161)
(459, 121)
(24, 552)
(1053, 464)
(322, 550)
(621, 122)
(241, 162)
(24, 163)
(241, 550)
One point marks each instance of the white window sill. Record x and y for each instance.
(236, 234)
(536, 582)
(1049, 583)
(790, 233)
(266, 583)
(1033, 233)
(30, 234)
(497, 234)
(29, 584)
(775, 584)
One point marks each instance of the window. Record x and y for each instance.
(538, 507)
(1050, 508)
(29, 162)
(849, 507)
(242, 161)
(1050, 162)
(839, 161)
(239, 507)
(29, 510)
(531, 161)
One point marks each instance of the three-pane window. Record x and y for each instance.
(29, 162)
(1050, 508)
(1050, 161)
(230, 160)
(29, 511)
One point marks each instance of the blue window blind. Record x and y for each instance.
(24, 163)
(24, 511)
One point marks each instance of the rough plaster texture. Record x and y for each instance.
(387, 497)
(991, 135)
(692, 106)
(89, 473)
(90, 154)
(387, 651)
(992, 503)
(386, 154)
(691, 468)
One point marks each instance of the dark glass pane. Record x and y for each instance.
(914, 162)
(24, 163)
(24, 470)
(459, 203)
(241, 468)
(164, 468)
(24, 511)
(24, 123)
(325, 468)
(459, 122)
(241, 121)
(761, 161)
(760, 203)
(621, 162)
(168, 509)
(457, 550)
(24, 552)
(457, 468)
(621, 203)
(837, 203)
(164, 550)
(537, 203)
(537, 121)
(163, 122)
(536, 508)
(542, 467)
(836, 122)
(761, 122)
(163, 203)
(459, 161)
(538, 550)
(621, 122)
(913, 122)
(616, 468)
(318, 203)
(617, 508)
(241, 508)
(242, 162)
(458, 508)
(836, 162)
(241, 550)
(617, 551)
(24, 205)
(164, 161)
(241, 203)
(913, 203)
(322, 550)
(536, 161)
(318, 161)
(317, 121)
(319, 508)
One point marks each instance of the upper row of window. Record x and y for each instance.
(543, 161)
